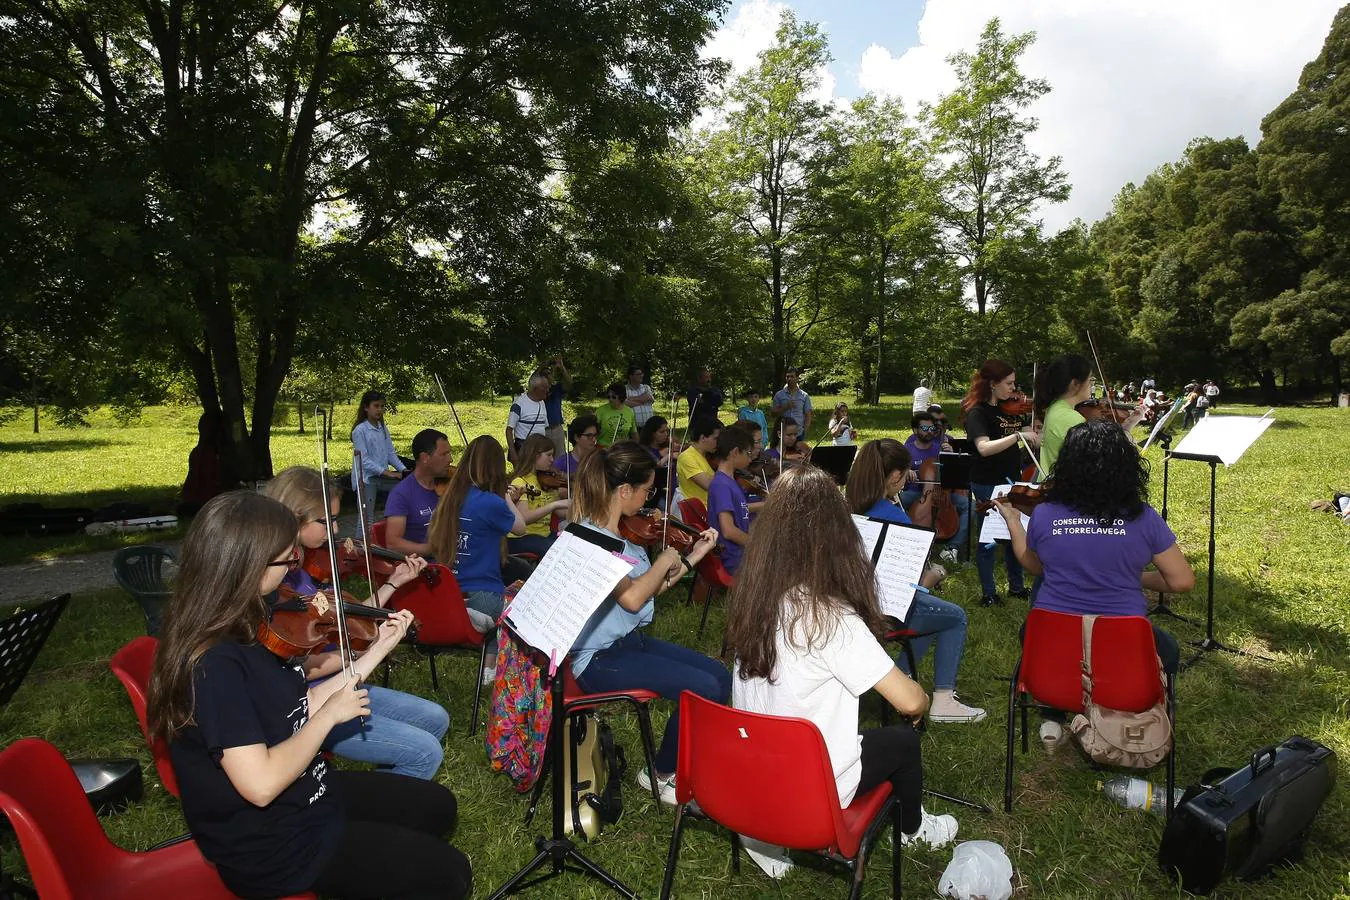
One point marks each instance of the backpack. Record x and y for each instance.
(593, 767)
(520, 713)
(1135, 740)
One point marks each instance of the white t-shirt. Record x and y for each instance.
(1212, 390)
(528, 416)
(822, 684)
(923, 398)
(640, 413)
(845, 437)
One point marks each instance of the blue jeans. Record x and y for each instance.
(962, 504)
(638, 661)
(492, 603)
(984, 556)
(402, 734)
(943, 622)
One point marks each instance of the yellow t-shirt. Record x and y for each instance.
(541, 525)
(692, 462)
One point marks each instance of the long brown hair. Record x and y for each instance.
(215, 596)
(483, 467)
(300, 489)
(604, 472)
(828, 573)
(867, 479)
(982, 383)
(534, 445)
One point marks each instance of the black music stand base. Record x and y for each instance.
(1161, 608)
(1210, 642)
(557, 851)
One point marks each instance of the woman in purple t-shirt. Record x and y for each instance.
(1095, 534)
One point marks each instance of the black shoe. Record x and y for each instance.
(1023, 594)
(991, 600)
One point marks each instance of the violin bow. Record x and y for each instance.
(689, 423)
(1106, 386)
(344, 641)
(455, 415)
(361, 523)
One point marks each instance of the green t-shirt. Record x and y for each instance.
(610, 419)
(1059, 418)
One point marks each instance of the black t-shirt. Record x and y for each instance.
(986, 421)
(245, 695)
(705, 401)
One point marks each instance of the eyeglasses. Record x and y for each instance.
(291, 562)
(652, 491)
(589, 434)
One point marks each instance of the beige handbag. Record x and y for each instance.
(1135, 740)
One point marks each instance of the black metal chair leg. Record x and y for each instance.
(707, 605)
(435, 682)
(478, 687)
(1172, 754)
(1012, 728)
(648, 747)
(896, 856)
(672, 858)
(736, 852)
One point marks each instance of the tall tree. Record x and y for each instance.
(991, 184)
(264, 154)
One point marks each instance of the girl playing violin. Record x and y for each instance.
(1060, 389)
(371, 437)
(655, 436)
(804, 632)
(535, 505)
(245, 734)
(841, 427)
(403, 732)
(729, 508)
(789, 449)
(876, 478)
(612, 653)
(998, 460)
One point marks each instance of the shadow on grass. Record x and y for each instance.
(40, 445)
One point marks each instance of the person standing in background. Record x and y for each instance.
(639, 396)
(922, 396)
(553, 403)
(793, 402)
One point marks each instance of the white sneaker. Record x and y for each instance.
(947, 707)
(772, 859)
(935, 831)
(1052, 736)
(665, 785)
(489, 674)
(948, 555)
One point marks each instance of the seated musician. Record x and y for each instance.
(473, 517)
(876, 477)
(1094, 536)
(408, 510)
(271, 815)
(613, 652)
(615, 418)
(379, 462)
(804, 633)
(693, 466)
(926, 442)
(403, 732)
(791, 449)
(729, 508)
(655, 436)
(582, 433)
(535, 504)
(1060, 387)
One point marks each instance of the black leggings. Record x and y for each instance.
(392, 845)
(892, 754)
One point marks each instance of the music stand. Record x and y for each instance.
(954, 475)
(835, 459)
(1218, 439)
(1162, 609)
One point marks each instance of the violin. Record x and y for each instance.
(317, 563)
(299, 624)
(1026, 497)
(441, 483)
(651, 526)
(1101, 408)
(750, 483)
(1019, 404)
(550, 479)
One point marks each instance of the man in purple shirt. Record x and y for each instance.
(410, 505)
(927, 442)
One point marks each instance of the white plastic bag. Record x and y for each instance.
(979, 870)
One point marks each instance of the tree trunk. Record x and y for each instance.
(780, 360)
(1335, 380)
(35, 401)
(1270, 393)
(875, 396)
(300, 408)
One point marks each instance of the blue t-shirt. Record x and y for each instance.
(887, 511)
(610, 621)
(725, 495)
(484, 519)
(553, 405)
(1094, 568)
(415, 504)
(746, 414)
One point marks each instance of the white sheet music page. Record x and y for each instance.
(567, 587)
(1226, 437)
(994, 527)
(900, 565)
(870, 529)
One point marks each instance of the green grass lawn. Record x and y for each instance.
(1280, 588)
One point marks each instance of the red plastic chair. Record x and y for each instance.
(132, 665)
(382, 568)
(1050, 673)
(769, 777)
(67, 853)
(444, 626)
(710, 575)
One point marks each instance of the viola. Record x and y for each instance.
(1019, 404)
(300, 624)
(651, 526)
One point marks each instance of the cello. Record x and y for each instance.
(934, 508)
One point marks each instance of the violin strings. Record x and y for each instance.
(361, 522)
(344, 641)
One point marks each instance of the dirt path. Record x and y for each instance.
(49, 577)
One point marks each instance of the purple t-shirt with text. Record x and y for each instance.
(415, 504)
(1094, 568)
(919, 455)
(725, 495)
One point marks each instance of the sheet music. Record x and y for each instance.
(1162, 422)
(995, 528)
(904, 553)
(1226, 437)
(567, 587)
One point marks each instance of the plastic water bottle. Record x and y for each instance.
(1136, 793)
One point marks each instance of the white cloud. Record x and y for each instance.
(1132, 80)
